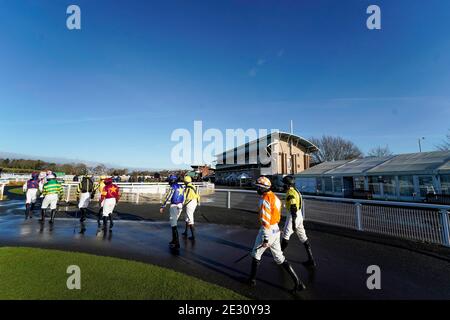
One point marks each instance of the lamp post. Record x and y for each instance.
(420, 145)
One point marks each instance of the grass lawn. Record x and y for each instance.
(28, 273)
(17, 191)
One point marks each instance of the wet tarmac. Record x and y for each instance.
(342, 262)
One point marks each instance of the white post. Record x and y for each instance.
(445, 228)
(2, 187)
(228, 199)
(68, 193)
(137, 198)
(358, 216)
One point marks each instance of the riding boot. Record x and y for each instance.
(83, 214)
(31, 211)
(111, 223)
(185, 233)
(192, 237)
(252, 279)
(27, 210)
(310, 262)
(284, 244)
(42, 215)
(298, 284)
(52, 214)
(99, 217)
(175, 243)
(105, 223)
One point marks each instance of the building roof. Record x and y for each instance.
(358, 166)
(445, 168)
(324, 167)
(411, 163)
(308, 145)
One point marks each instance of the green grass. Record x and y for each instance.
(28, 273)
(17, 191)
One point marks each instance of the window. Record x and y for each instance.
(328, 184)
(374, 185)
(337, 184)
(389, 185)
(406, 186)
(319, 184)
(445, 184)
(426, 185)
(358, 183)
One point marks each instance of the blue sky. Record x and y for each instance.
(114, 91)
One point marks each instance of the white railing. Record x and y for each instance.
(413, 221)
(2, 190)
(137, 192)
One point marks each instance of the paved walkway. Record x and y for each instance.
(342, 261)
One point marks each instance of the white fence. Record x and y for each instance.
(137, 192)
(413, 221)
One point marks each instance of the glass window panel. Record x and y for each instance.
(337, 184)
(426, 185)
(406, 185)
(358, 183)
(374, 185)
(319, 184)
(389, 185)
(445, 184)
(328, 184)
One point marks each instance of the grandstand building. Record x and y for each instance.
(275, 154)
(423, 176)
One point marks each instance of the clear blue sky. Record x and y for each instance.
(114, 91)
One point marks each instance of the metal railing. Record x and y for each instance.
(139, 192)
(2, 190)
(413, 221)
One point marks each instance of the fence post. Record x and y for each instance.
(2, 188)
(228, 199)
(68, 193)
(137, 198)
(358, 216)
(445, 228)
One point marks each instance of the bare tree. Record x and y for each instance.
(334, 148)
(380, 152)
(445, 146)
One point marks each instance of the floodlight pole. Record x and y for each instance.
(420, 145)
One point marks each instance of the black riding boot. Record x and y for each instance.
(27, 210)
(185, 233)
(284, 244)
(105, 223)
(42, 215)
(83, 214)
(31, 211)
(111, 223)
(310, 262)
(99, 217)
(252, 279)
(175, 243)
(298, 284)
(52, 214)
(192, 237)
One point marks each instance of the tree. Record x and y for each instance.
(445, 146)
(333, 149)
(380, 152)
(99, 169)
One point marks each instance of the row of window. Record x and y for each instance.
(387, 185)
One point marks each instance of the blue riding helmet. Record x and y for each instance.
(172, 179)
